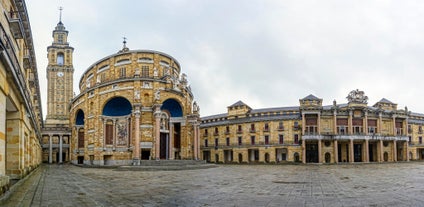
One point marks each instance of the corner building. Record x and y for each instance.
(313, 133)
(134, 105)
(20, 100)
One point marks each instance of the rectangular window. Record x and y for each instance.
(144, 71)
(206, 132)
(296, 139)
(216, 131)
(266, 127)
(280, 126)
(281, 139)
(216, 142)
(252, 140)
(206, 143)
(252, 127)
(239, 129)
(266, 139)
(80, 139)
(227, 141)
(420, 140)
(109, 133)
(239, 141)
(227, 129)
(296, 125)
(123, 73)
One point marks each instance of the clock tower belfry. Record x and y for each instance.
(60, 72)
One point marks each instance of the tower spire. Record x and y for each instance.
(60, 14)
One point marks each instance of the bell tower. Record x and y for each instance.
(60, 72)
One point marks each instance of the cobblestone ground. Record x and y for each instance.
(395, 184)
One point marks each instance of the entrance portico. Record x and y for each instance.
(355, 148)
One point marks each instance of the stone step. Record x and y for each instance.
(171, 162)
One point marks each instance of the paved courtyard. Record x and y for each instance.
(394, 184)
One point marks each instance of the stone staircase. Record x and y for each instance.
(152, 165)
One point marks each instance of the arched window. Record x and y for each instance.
(60, 59)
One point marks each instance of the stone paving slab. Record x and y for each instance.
(392, 184)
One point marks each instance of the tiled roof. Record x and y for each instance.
(383, 100)
(310, 97)
(238, 103)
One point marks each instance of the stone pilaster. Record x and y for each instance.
(336, 152)
(60, 148)
(136, 149)
(50, 148)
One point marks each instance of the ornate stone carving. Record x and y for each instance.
(357, 96)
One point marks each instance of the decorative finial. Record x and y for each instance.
(60, 14)
(124, 48)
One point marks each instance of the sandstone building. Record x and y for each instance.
(313, 133)
(20, 103)
(134, 105)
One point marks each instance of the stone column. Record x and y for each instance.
(319, 123)
(196, 141)
(407, 150)
(104, 133)
(336, 152)
(304, 151)
(367, 151)
(365, 123)
(60, 148)
(380, 122)
(303, 123)
(349, 122)
(394, 125)
(114, 134)
(335, 122)
(171, 141)
(319, 151)
(394, 151)
(351, 154)
(50, 148)
(157, 115)
(381, 151)
(136, 149)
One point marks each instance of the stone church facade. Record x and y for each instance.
(134, 105)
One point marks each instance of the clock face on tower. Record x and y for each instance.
(60, 74)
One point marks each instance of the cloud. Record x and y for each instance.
(265, 53)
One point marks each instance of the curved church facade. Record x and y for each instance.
(134, 105)
(314, 133)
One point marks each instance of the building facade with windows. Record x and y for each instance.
(313, 133)
(20, 100)
(134, 105)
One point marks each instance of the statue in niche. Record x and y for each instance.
(157, 95)
(137, 94)
(167, 71)
(155, 72)
(98, 79)
(88, 84)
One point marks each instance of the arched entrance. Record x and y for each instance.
(170, 129)
(386, 156)
(266, 157)
(327, 157)
(296, 157)
(240, 158)
(216, 158)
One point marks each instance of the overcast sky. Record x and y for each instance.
(265, 53)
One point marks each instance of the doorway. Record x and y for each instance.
(163, 146)
(145, 154)
(312, 153)
(357, 152)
